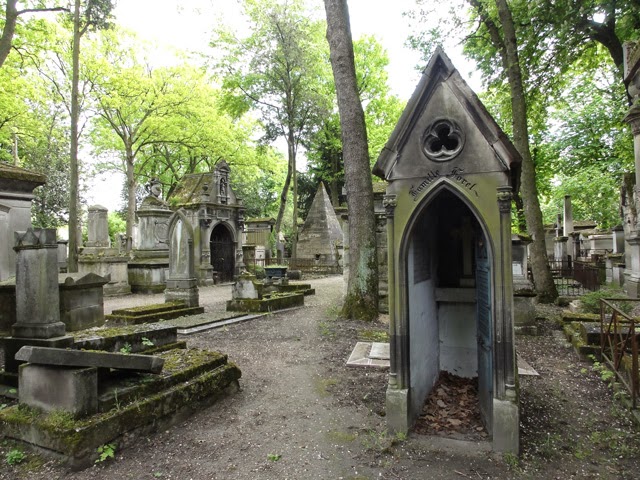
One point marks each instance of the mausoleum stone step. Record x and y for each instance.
(153, 313)
(182, 366)
(133, 338)
(149, 309)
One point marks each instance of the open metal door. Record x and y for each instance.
(484, 332)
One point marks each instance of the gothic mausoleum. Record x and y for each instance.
(451, 174)
(217, 218)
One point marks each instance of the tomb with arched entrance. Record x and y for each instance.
(451, 173)
(217, 218)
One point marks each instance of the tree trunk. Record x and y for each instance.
(361, 301)
(545, 285)
(283, 202)
(294, 199)
(131, 195)
(6, 40)
(72, 259)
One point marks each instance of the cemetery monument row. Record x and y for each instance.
(451, 173)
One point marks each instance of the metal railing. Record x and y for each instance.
(575, 277)
(618, 343)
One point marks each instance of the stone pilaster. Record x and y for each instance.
(505, 344)
(389, 203)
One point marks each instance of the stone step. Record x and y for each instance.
(148, 309)
(182, 366)
(134, 338)
(154, 317)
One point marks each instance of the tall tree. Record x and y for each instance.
(381, 112)
(133, 102)
(505, 41)
(95, 14)
(493, 43)
(276, 70)
(361, 300)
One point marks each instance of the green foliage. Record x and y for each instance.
(126, 348)
(274, 457)
(15, 456)
(370, 335)
(575, 99)
(590, 302)
(512, 461)
(605, 374)
(116, 225)
(147, 343)
(105, 452)
(278, 70)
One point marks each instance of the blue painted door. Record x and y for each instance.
(484, 332)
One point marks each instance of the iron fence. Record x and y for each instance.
(575, 277)
(619, 344)
(306, 264)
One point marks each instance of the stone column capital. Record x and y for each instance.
(504, 197)
(389, 202)
(633, 118)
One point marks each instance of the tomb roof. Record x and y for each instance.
(441, 72)
(20, 178)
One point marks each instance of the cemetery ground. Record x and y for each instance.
(302, 414)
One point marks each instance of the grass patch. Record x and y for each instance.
(322, 384)
(327, 329)
(373, 335)
(340, 437)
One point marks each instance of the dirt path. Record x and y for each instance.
(302, 414)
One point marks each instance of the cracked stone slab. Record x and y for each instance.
(361, 357)
(380, 351)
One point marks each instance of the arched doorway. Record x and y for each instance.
(222, 249)
(449, 299)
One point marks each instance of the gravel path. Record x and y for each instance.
(302, 414)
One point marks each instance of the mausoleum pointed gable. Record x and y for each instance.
(445, 127)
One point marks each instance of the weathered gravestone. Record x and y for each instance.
(99, 258)
(67, 380)
(182, 283)
(451, 174)
(37, 296)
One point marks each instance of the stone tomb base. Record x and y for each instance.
(73, 390)
(130, 406)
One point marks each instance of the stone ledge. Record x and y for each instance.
(153, 313)
(266, 304)
(112, 339)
